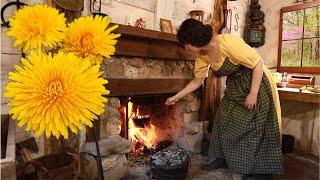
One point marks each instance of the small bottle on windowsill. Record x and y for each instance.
(284, 77)
(284, 80)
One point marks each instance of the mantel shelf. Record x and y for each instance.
(137, 42)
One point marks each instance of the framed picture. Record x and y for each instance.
(166, 26)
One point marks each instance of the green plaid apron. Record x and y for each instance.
(248, 140)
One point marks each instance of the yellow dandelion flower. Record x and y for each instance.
(36, 27)
(90, 37)
(53, 93)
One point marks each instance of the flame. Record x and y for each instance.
(153, 133)
(146, 136)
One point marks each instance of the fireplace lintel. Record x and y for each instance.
(127, 87)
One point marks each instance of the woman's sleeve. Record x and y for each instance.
(201, 67)
(239, 52)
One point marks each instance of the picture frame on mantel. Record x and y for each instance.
(166, 26)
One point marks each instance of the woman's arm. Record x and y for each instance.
(257, 74)
(192, 86)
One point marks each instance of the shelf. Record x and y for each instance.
(296, 95)
(136, 42)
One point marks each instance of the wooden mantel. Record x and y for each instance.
(136, 42)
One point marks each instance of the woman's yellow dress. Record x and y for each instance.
(248, 140)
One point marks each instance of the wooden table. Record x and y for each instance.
(295, 94)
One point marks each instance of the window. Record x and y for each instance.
(299, 38)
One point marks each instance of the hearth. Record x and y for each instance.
(149, 124)
(136, 114)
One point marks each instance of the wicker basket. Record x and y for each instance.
(59, 167)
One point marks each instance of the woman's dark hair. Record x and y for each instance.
(195, 33)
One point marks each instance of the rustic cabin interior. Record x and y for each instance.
(160, 89)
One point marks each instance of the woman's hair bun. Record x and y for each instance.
(208, 28)
(195, 33)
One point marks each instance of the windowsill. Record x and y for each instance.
(302, 70)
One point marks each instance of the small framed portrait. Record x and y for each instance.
(166, 26)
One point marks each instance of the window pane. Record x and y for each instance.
(292, 25)
(291, 53)
(312, 23)
(310, 57)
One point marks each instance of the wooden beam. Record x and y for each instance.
(299, 6)
(136, 42)
(304, 70)
(128, 87)
(218, 16)
(211, 98)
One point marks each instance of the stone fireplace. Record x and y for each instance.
(136, 122)
(144, 117)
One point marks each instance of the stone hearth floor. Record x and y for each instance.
(297, 166)
(139, 171)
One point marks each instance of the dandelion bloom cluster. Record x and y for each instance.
(37, 27)
(52, 94)
(90, 37)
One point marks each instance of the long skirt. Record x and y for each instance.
(249, 140)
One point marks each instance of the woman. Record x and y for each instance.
(245, 136)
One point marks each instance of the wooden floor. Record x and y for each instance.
(299, 166)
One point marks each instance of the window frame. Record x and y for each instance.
(296, 7)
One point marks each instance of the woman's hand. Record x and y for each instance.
(192, 85)
(171, 100)
(257, 74)
(251, 101)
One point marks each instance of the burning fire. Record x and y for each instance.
(144, 137)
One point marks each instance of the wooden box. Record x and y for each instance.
(301, 80)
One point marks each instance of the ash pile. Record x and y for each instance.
(171, 163)
(169, 157)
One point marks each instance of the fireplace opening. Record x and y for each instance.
(149, 124)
